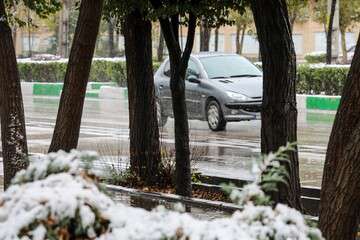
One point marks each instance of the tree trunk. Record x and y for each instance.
(144, 135)
(64, 29)
(111, 38)
(340, 192)
(237, 39)
(329, 33)
(13, 133)
(279, 113)
(178, 65)
(216, 39)
(67, 128)
(160, 50)
(343, 46)
(205, 33)
(243, 30)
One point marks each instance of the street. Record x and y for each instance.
(226, 154)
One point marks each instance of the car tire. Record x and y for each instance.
(215, 117)
(162, 119)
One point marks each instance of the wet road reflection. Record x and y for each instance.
(227, 154)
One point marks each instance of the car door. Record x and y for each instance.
(193, 94)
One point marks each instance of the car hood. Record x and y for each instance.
(249, 86)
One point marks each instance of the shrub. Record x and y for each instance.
(315, 57)
(321, 79)
(102, 70)
(54, 199)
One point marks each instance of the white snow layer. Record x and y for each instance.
(53, 189)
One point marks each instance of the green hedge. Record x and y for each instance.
(312, 79)
(315, 58)
(54, 72)
(327, 80)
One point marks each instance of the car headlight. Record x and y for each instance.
(237, 96)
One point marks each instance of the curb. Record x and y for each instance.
(305, 103)
(55, 89)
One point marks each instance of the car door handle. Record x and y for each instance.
(161, 86)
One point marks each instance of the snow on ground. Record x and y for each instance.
(65, 60)
(53, 196)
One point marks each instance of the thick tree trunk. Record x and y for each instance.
(111, 38)
(160, 50)
(340, 192)
(144, 135)
(216, 39)
(329, 33)
(13, 133)
(279, 113)
(67, 128)
(343, 46)
(205, 33)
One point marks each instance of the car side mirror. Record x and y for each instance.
(194, 79)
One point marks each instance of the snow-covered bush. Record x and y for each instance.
(55, 199)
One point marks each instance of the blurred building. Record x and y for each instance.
(308, 37)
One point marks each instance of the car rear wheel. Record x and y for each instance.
(215, 117)
(162, 119)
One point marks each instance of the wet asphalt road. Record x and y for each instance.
(227, 154)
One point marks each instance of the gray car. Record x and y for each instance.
(220, 88)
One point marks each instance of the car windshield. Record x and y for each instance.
(229, 66)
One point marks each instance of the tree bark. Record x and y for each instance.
(329, 33)
(111, 38)
(67, 128)
(279, 113)
(205, 33)
(13, 133)
(144, 135)
(343, 46)
(160, 50)
(216, 39)
(340, 192)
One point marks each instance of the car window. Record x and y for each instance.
(167, 69)
(229, 66)
(192, 69)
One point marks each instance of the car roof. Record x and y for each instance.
(212, 54)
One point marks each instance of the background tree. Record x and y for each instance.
(320, 13)
(64, 28)
(13, 133)
(340, 191)
(67, 127)
(279, 113)
(242, 22)
(205, 35)
(298, 11)
(329, 34)
(349, 15)
(160, 49)
(111, 41)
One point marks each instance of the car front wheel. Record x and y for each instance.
(215, 117)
